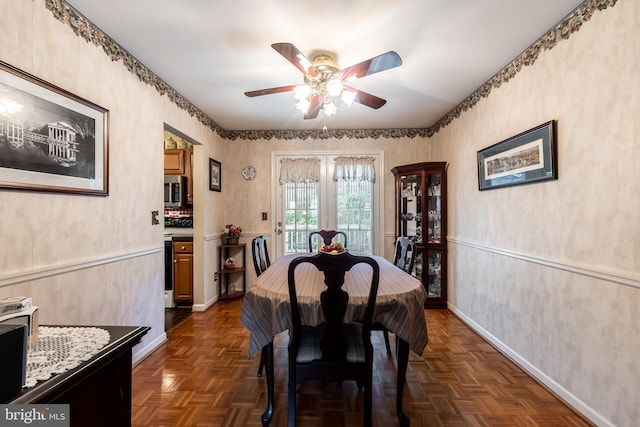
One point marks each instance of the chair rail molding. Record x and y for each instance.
(81, 264)
(624, 278)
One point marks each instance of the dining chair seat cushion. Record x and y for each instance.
(310, 343)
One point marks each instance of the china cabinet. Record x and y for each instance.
(229, 271)
(421, 214)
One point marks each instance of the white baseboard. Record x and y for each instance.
(140, 353)
(205, 306)
(564, 394)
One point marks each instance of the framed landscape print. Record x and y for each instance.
(50, 139)
(524, 158)
(215, 175)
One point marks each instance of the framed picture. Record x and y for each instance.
(522, 159)
(215, 175)
(50, 139)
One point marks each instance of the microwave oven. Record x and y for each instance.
(175, 191)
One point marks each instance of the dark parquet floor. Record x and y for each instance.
(202, 377)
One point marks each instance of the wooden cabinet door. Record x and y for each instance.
(183, 272)
(174, 161)
(189, 173)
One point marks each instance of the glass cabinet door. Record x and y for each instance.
(434, 274)
(417, 266)
(434, 209)
(411, 207)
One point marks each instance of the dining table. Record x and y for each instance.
(399, 308)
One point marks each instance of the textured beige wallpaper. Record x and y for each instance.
(551, 271)
(89, 259)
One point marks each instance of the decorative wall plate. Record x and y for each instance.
(249, 172)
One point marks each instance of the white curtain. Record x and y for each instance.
(299, 170)
(354, 169)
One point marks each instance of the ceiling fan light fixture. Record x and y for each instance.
(302, 92)
(329, 108)
(324, 81)
(334, 87)
(348, 96)
(303, 105)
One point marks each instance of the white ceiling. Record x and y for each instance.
(211, 52)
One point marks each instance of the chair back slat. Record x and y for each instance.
(327, 237)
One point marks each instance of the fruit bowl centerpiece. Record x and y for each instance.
(333, 248)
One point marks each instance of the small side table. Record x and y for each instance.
(225, 274)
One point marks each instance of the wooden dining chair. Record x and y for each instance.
(404, 257)
(327, 237)
(261, 261)
(404, 254)
(260, 254)
(334, 350)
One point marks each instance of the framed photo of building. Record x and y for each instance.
(521, 159)
(50, 139)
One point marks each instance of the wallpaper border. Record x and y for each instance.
(84, 28)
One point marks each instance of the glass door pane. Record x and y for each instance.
(434, 275)
(411, 207)
(354, 214)
(434, 209)
(300, 215)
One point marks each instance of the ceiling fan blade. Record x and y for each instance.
(269, 91)
(374, 65)
(314, 107)
(367, 99)
(297, 58)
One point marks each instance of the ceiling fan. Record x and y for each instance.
(324, 81)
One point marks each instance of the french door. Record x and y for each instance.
(311, 204)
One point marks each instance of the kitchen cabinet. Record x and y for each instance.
(232, 278)
(421, 214)
(174, 161)
(183, 272)
(188, 171)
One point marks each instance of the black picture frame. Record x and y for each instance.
(215, 175)
(50, 139)
(522, 159)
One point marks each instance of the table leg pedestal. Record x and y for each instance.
(267, 356)
(402, 351)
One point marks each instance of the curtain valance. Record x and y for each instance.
(299, 169)
(354, 169)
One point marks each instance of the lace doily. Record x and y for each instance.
(62, 348)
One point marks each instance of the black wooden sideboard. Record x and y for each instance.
(99, 390)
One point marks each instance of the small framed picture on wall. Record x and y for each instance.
(215, 175)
